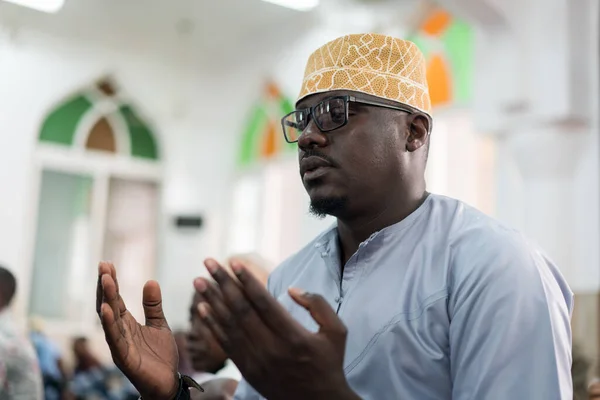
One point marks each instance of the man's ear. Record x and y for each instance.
(418, 132)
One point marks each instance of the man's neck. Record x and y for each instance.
(353, 231)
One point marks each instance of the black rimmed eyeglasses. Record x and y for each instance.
(330, 114)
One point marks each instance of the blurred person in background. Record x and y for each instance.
(51, 362)
(411, 295)
(256, 264)
(579, 371)
(185, 363)
(94, 381)
(593, 391)
(90, 378)
(214, 371)
(20, 376)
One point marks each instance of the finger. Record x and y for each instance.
(261, 273)
(269, 309)
(232, 294)
(236, 300)
(110, 295)
(236, 335)
(212, 295)
(330, 324)
(106, 268)
(113, 274)
(103, 269)
(115, 334)
(217, 331)
(99, 291)
(152, 303)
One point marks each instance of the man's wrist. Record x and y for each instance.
(173, 393)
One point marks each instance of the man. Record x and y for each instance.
(52, 366)
(410, 295)
(185, 363)
(20, 377)
(579, 372)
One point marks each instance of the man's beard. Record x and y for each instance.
(334, 206)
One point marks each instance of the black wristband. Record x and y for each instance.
(185, 383)
(183, 393)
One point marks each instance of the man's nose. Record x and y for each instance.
(312, 137)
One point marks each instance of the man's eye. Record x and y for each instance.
(337, 114)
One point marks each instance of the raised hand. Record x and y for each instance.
(276, 355)
(147, 354)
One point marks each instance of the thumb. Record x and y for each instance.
(330, 324)
(152, 302)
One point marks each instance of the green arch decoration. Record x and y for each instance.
(459, 41)
(142, 139)
(61, 124)
(268, 110)
(250, 139)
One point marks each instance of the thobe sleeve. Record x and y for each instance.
(509, 334)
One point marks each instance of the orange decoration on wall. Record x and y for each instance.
(437, 22)
(273, 90)
(448, 45)
(269, 145)
(438, 78)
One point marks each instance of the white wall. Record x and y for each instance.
(548, 173)
(195, 136)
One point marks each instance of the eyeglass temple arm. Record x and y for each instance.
(377, 104)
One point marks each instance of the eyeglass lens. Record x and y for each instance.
(329, 115)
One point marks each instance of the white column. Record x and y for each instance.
(540, 173)
(536, 90)
(547, 187)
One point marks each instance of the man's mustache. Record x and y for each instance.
(314, 153)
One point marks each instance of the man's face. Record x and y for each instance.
(80, 347)
(342, 169)
(205, 353)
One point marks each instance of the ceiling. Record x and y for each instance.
(205, 23)
(211, 28)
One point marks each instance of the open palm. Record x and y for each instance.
(147, 354)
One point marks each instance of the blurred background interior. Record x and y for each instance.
(147, 133)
